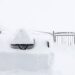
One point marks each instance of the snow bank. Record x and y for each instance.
(25, 61)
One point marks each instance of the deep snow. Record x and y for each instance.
(62, 61)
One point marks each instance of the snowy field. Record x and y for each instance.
(56, 60)
(63, 61)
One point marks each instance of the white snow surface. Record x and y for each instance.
(22, 37)
(62, 61)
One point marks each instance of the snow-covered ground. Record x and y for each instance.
(63, 64)
(59, 59)
(63, 61)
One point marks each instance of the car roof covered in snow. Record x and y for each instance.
(22, 37)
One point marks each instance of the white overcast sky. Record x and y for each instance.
(44, 15)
